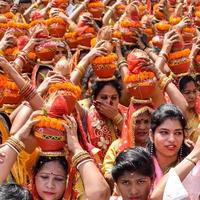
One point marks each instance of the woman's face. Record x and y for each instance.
(134, 186)
(168, 138)
(190, 94)
(90, 83)
(108, 95)
(142, 126)
(50, 181)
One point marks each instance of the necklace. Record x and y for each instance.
(166, 169)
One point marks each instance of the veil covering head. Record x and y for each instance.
(136, 59)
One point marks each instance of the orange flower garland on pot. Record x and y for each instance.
(9, 91)
(19, 29)
(157, 13)
(139, 81)
(84, 38)
(120, 9)
(179, 61)
(56, 27)
(105, 66)
(3, 28)
(161, 28)
(188, 34)
(197, 64)
(49, 131)
(197, 18)
(96, 8)
(128, 28)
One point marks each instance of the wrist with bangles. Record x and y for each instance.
(163, 55)
(80, 69)
(81, 158)
(118, 119)
(163, 81)
(15, 144)
(28, 91)
(191, 160)
(122, 63)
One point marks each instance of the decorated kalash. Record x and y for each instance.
(104, 68)
(139, 82)
(82, 36)
(129, 24)
(51, 134)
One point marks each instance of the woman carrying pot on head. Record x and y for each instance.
(136, 125)
(51, 168)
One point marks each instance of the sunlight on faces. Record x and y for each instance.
(108, 95)
(168, 138)
(142, 126)
(50, 181)
(190, 94)
(134, 186)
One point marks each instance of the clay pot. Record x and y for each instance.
(49, 139)
(104, 71)
(46, 51)
(57, 30)
(180, 68)
(142, 91)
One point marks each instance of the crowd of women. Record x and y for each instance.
(99, 99)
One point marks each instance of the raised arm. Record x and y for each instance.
(182, 170)
(173, 92)
(78, 73)
(94, 183)
(12, 147)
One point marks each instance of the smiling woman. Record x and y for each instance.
(167, 139)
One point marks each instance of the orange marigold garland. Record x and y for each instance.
(140, 84)
(105, 66)
(56, 27)
(128, 28)
(50, 133)
(96, 8)
(179, 61)
(68, 86)
(9, 91)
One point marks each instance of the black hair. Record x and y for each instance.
(197, 78)
(133, 160)
(45, 159)
(13, 191)
(88, 74)
(162, 113)
(99, 85)
(184, 81)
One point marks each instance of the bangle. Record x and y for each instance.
(192, 161)
(164, 54)
(161, 56)
(84, 5)
(83, 162)
(81, 69)
(117, 119)
(12, 147)
(166, 80)
(15, 144)
(79, 157)
(111, 9)
(1, 53)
